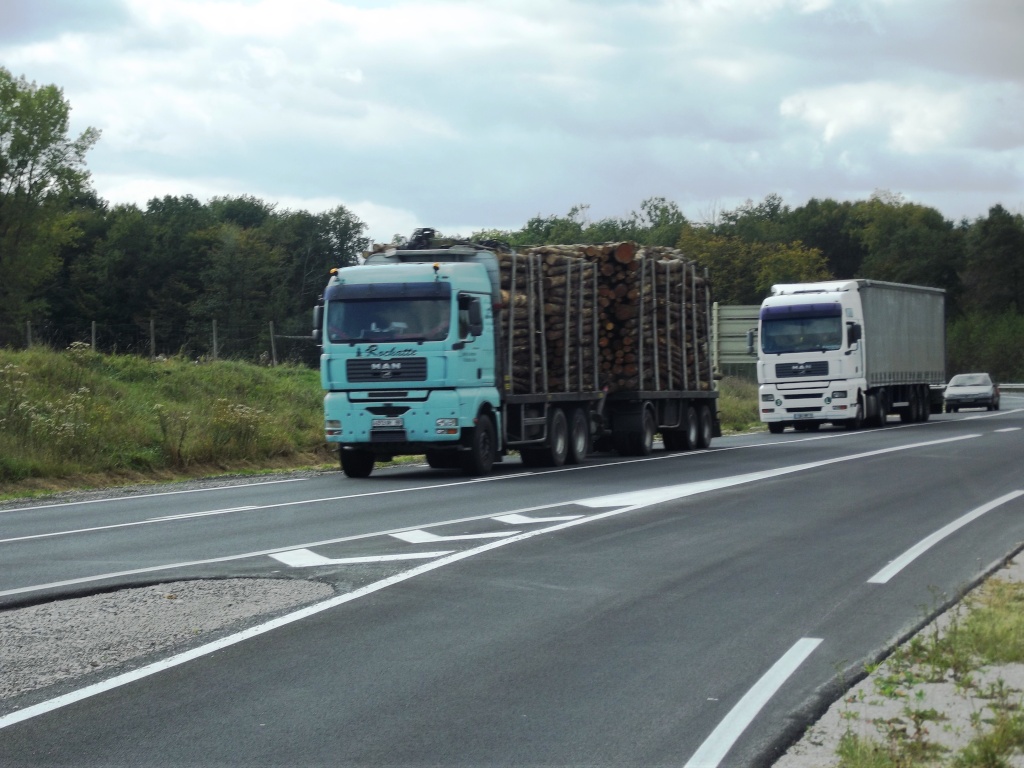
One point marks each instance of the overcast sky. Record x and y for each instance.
(470, 114)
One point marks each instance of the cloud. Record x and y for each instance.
(913, 119)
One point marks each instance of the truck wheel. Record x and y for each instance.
(858, 418)
(692, 434)
(776, 427)
(706, 427)
(356, 462)
(558, 438)
(479, 459)
(579, 436)
(912, 412)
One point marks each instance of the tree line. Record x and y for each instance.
(68, 258)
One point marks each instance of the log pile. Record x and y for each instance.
(640, 312)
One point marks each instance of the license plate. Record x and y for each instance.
(387, 423)
(804, 415)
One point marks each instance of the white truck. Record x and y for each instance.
(850, 353)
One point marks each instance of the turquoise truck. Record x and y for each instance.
(463, 352)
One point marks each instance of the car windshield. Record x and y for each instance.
(970, 380)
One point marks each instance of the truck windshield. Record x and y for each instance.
(801, 329)
(388, 319)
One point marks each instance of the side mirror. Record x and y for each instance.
(318, 323)
(853, 332)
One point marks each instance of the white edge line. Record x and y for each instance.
(901, 562)
(721, 740)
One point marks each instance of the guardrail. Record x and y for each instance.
(1011, 387)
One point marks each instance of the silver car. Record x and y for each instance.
(971, 390)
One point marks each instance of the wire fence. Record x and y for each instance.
(261, 343)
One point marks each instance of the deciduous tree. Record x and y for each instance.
(40, 165)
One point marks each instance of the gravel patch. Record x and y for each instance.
(67, 639)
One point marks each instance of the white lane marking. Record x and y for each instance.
(426, 537)
(1009, 429)
(676, 492)
(667, 493)
(928, 542)
(187, 515)
(304, 558)
(525, 520)
(133, 497)
(721, 740)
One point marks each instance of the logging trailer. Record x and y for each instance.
(463, 352)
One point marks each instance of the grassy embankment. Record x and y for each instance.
(78, 418)
(986, 632)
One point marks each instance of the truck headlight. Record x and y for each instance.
(447, 423)
(767, 398)
(839, 394)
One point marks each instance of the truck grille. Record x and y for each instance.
(374, 369)
(796, 370)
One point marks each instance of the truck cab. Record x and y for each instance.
(408, 360)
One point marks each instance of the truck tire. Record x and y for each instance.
(912, 412)
(776, 427)
(706, 427)
(479, 459)
(858, 416)
(579, 436)
(692, 434)
(558, 438)
(882, 417)
(356, 462)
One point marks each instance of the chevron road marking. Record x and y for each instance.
(304, 558)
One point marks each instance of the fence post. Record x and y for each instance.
(28, 334)
(214, 339)
(93, 335)
(273, 346)
(152, 338)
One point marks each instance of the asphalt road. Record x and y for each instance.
(684, 609)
